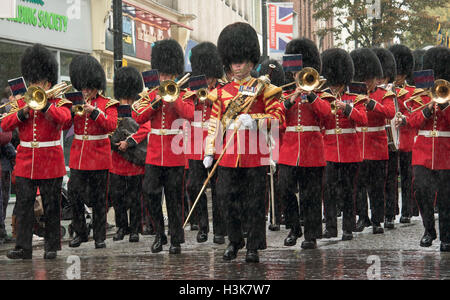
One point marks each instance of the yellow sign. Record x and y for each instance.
(124, 62)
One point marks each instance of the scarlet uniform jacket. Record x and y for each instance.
(165, 142)
(244, 151)
(432, 147)
(303, 142)
(33, 159)
(373, 137)
(407, 133)
(340, 136)
(91, 147)
(123, 167)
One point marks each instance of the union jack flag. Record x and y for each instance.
(280, 25)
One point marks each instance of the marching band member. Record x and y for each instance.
(302, 152)
(125, 183)
(342, 153)
(90, 154)
(243, 167)
(405, 65)
(40, 158)
(164, 167)
(373, 139)
(205, 60)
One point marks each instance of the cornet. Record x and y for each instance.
(202, 94)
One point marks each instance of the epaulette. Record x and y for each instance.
(111, 102)
(188, 94)
(417, 91)
(360, 98)
(212, 96)
(402, 92)
(388, 94)
(325, 95)
(63, 102)
(272, 91)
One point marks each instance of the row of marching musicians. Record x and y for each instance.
(333, 137)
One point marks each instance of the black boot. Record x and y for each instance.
(232, 250)
(157, 245)
(311, 244)
(292, 237)
(219, 239)
(274, 227)
(19, 253)
(377, 229)
(202, 236)
(445, 247)
(134, 238)
(100, 244)
(120, 234)
(77, 240)
(427, 239)
(50, 255)
(175, 248)
(329, 233)
(405, 219)
(347, 236)
(363, 222)
(252, 256)
(389, 223)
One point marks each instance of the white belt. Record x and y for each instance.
(371, 129)
(91, 137)
(166, 131)
(434, 133)
(233, 126)
(301, 128)
(200, 124)
(40, 144)
(340, 131)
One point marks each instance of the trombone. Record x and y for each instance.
(36, 97)
(308, 80)
(440, 94)
(168, 91)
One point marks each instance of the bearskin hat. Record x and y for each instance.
(39, 64)
(388, 64)
(438, 59)
(237, 43)
(308, 50)
(205, 60)
(87, 73)
(167, 57)
(337, 67)
(128, 83)
(403, 58)
(367, 65)
(277, 74)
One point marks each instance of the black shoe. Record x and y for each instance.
(405, 220)
(219, 239)
(292, 237)
(232, 250)
(362, 223)
(18, 253)
(175, 249)
(50, 255)
(194, 227)
(427, 239)
(100, 245)
(377, 229)
(77, 240)
(134, 238)
(445, 247)
(157, 245)
(148, 230)
(252, 256)
(120, 234)
(274, 227)
(312, 244)
(328, 234)
(389, 223)
(348, 235)
(202, 236)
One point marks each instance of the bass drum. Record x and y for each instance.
(136, 155)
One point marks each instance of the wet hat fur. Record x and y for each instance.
(39, 64)
(128, 83)
(87, 73)
(367, 65)
(205, 60)
(388, 63)
(438, 59)
(308, 50)
(277, 75)
(404, 59)
(167, 57)
(337, 67)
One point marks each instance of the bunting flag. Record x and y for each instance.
(17, 86)
(75, 97)
(281, 25)
(197, 82)
(151, 78)
(292, 63)
(424, 79)
(124, 111)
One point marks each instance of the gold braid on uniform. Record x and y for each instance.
(111, 102)
(63, 102)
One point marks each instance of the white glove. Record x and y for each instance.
(208, 161)
(247, 121)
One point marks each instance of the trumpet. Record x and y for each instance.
(202, 94)
(78, 109)
(168, 91)
(440, 94)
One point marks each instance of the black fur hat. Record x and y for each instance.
(403, 58)
(128, 83)
(277, 77)
(86, 72)
(337, 67)
(308, 50)
(367, 65)
(388, 64)
(438, 59)
(167, 57)
(205, 60)
(38, 64)
(237, 43)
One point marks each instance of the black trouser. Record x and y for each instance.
(430, 186)
(126, 193)
(372, 177)
(279, 208)
(170, 179)
(234, 187)
(89, 187)
(409, 205)
(50, 190)
(310, 183)
(392, 185)
(340, 181)
(5, 193)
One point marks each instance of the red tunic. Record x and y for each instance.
(432, 147)
(373, 138)
(340, 137)
(40, 155)
(123, 167)
(303, 142)
(91, 148)
(407, 133)
(165, 144)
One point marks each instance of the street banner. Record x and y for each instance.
(281, 25)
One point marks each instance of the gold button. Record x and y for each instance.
(163, 132)
(85, 137)
(434, 133)
(338, 130)
(34, 144)
(365, 129)
(299, 128)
